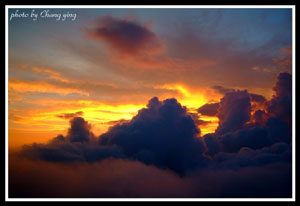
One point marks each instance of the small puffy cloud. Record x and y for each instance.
(78, 145)
(80, 130)
(210, 109)
(125, 36)
(136, 46)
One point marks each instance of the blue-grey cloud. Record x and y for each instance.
(280, 106)
(234, 111)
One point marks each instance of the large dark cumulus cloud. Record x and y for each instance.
(162, 134)
(280, 106)
(268, 127)
(211, 109)
(277, 115)
(234, 111)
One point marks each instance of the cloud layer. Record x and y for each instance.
(159, 153)
(116, 178)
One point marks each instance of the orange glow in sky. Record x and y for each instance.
(100, 115)
(109, 78)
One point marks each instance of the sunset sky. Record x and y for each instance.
(64, 67)
(106, 65)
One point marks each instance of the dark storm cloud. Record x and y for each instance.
(283, 86)
(70, 115)
(125, 36)
(266, 128)
(234, 111)
(162, 134)
(280, 106)
(210, 109)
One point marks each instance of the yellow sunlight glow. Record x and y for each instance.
(193, 100)
(48, 116)
(187, 98)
